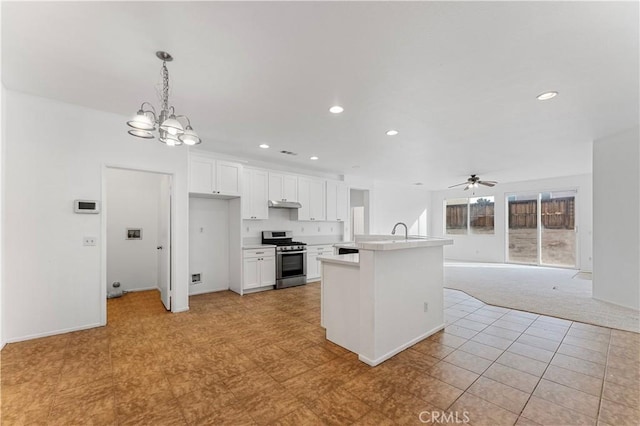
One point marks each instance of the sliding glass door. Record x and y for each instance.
(541, 228)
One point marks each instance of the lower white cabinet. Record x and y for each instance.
(259, 268)
(313, 264)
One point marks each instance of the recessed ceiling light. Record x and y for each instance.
(336, 109)
(418, 184)
(392, 132)
(355, 167)
(546, 96)
(264, 146)
(313, 158)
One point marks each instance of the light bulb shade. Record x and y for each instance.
(145, 134)
(169, 139)
(141, 121)
(189, 137)
(172, 126)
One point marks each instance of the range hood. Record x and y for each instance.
(284, 204)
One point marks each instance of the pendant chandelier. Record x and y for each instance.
(170, 130)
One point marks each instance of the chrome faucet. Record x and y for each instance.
(406, 230)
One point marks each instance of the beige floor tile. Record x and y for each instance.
(568, 397)
(468, 361)
(405, 408)
(629, 396)
(531, 352)
(500, 394)
(434, 349)
(432, 390)
(481, 350)
(494, 341)
(618, 414)
(453, 375)
(578, 365)
(482, 412)
(339, 407)
(510, 376)
(522, 363)
(578, 381)
(548, 413)
(582, 353)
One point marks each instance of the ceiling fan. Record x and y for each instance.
(473, 181)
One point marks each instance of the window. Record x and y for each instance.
(481, 215)
(457, 216)
(472, 214)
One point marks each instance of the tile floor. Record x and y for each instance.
(263, 359)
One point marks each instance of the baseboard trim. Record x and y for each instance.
(215, 290)
(177, 310)
(400, 348)
(53, 333)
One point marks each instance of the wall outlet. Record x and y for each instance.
(89, 241)
(426, 306)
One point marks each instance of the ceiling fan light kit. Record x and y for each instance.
(171, 131)
(474, 182)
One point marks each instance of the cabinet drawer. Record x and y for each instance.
(265, 252)
(325, 249)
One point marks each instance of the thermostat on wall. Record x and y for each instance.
(86, 206)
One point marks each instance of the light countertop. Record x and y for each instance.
(401, 243)
(344, 259)
(257, 246)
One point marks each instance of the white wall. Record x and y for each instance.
(492, 248)
(55, 153)
(392, 203)
(209, 244)
(2, 170)
(280, 219)
(616, 213)
(133, 199)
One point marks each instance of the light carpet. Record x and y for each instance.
(562, 293)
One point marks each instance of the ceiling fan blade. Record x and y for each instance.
(463, 183)
(467, 187)
(487, 183)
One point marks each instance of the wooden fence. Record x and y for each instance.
(481, 216)
(558, 213)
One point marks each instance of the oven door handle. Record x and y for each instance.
(282, 253)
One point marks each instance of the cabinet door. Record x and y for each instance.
(259, 194)
(312, 266)
(304, 198)
(331, 194)
(317, 200)
(201, 174)
(251, 276)
(246, 194)
(228, 178)
(276, 185)
(342, 203)
(290, 187)
(267, 271)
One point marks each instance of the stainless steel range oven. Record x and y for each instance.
(291, 258)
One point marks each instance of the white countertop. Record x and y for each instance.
(257, 246)
(401, 243)
(344, 259)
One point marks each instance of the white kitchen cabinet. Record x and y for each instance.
(255, 194)
(311, 195)
(283, 187)
(337, 204)
(313, 264)
(210, 176)
(259, 268)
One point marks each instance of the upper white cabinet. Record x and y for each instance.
(255, 194)
(311, 195)
(283, 187)
(210, 176)
(337, 201)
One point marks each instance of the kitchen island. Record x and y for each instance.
(384, 299)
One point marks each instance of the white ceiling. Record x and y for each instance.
(457, 79)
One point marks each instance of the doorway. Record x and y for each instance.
(541, 228)
(137, 230)
(359, 215)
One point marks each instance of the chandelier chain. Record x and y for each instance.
(165, 87)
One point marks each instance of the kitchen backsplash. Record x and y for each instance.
(280, 220)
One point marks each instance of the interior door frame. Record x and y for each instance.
(538, 194)
(103, 233)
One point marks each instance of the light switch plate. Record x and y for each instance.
(89, 241)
